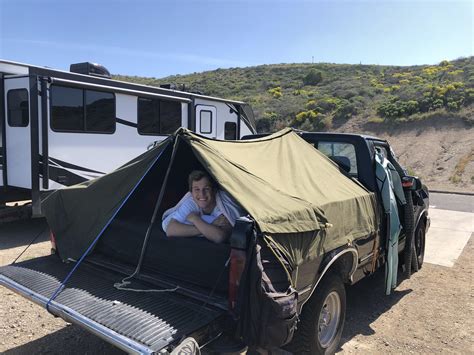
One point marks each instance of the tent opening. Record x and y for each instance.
(193, 260)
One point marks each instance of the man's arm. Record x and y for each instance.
(178, 229)
(216, 232)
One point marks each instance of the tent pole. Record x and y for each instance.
(155, 211)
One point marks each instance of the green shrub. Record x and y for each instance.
(310, 115)
(270, 115)
(394, 108)
(345, 110)
(311, 105)
(469, 96)
(275, 92)
(453, 106)
(314, 77)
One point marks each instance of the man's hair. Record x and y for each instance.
(197, 175)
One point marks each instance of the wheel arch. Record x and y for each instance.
(343, 261)
(422, 216)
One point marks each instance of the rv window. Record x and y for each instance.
(67, 109)
(158, 116)
(79, 110)
(230, 131)
(18, 108)
(148, 116)
(206, 121)
(170, 116)
(100, 112)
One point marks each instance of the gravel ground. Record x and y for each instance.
(430, 313)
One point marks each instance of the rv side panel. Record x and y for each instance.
(35, 136)
(3, 155)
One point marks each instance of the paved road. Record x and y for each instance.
(452, 202)
(452, 225)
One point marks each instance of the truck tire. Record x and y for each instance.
(322, 319)
(409, 226)
(420, 238)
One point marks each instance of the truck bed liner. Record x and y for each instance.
(150, 319)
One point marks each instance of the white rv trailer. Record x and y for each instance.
(60, 128)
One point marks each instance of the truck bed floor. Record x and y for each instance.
(152, 319)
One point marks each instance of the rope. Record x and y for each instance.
(212, 291)
(24, 250)
(120, 286)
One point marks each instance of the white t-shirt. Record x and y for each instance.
(185, 208)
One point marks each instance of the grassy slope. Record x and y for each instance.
(426, 112)
(362, 93)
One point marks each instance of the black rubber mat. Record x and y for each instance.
(152, 319)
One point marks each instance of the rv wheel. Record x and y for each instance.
(322, 319)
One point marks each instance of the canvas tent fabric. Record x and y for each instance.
(77, 214)
(298, 198)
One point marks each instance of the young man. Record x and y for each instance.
(204, 210)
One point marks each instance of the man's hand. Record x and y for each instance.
(193, 217)
(218, 231)
(222, 222)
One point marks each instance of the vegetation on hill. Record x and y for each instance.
(321, 96)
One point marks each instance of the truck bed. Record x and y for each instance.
(141, 322)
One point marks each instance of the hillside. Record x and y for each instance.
(426, 112)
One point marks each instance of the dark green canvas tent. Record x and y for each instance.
(292, 191)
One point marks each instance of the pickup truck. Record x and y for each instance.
(145, 293)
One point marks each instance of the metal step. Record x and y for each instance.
(135, 321)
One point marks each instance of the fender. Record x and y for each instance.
(422, 213)
(349, 249)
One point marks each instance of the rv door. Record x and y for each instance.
(206, 120)
(17, 131)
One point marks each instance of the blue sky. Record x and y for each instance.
(161, 38)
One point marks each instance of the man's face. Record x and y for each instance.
(203, 194)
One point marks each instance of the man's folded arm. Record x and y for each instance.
(213, 232)
(178, 229)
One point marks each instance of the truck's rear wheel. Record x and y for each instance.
(420, 235)
(408, 225)
(322, 319)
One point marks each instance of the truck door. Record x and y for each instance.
(17, 131)
(206, 120)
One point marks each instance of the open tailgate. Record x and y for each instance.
(137, 322)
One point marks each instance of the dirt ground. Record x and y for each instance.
(430, 313)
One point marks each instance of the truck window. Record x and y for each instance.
(388, 153)
(335, 149)
(18, 108)
(82, 111)
(382, 150)
(158, 116)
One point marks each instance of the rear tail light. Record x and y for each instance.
(237, 264)
(239, 242)
(52, 238)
